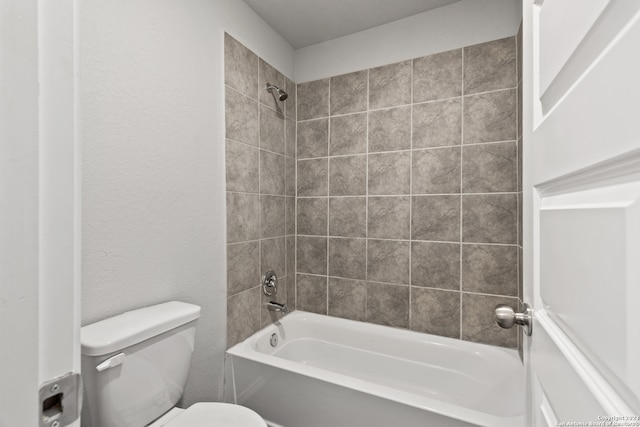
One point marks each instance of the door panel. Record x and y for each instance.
(582, 208)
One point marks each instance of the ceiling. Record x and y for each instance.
(306, 22)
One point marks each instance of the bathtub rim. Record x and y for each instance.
(246, 350)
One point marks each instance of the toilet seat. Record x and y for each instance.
(213, 414)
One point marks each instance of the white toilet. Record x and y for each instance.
(135, 367)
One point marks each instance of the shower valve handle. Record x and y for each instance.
(506, 317)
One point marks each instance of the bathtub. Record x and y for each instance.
(331, 372)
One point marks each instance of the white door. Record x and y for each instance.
(582, 210)
(39, 205)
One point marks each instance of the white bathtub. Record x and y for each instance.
(331, 372)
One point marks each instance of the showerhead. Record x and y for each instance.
(281, 94)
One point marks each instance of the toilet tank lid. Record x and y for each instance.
(132, 327)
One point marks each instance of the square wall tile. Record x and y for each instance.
(312, 216)
(490, 218)
(268, 75)
(272, 173)
(272, 216)
(488, 168)
(290, 103)
(313, 99)
(313, 177)
(388, 261)
(290, 176)
(347, 299)
(243, 266)
(243, 217)
(311, 255)
(435, 265)
(387, 304)
(436, 171)
(478, 320)
(240, 67)
(347, 176)
(389, 217)
(348, 258)
(290, 255)
(349, 93)
(490, 269)
(270, 317)
(390, 130)
(437, 76)
(490, 117)
(273, 256)
(437, 124)
(311, 293)
(435, 312)
(313, 138)
(490, 66)
(348, 216)
(290, 215)
(242, 163)
(389, 173)
(243, 316)
(390, 85)
(241, 117)
(290, 126)
(435, 218)
(348, 134)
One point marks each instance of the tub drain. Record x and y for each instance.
(274, 340)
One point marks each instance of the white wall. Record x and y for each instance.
(461, 24)
(151, 110)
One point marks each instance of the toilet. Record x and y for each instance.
(135, 367)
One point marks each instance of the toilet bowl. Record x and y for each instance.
(210, 415)
(135, 368)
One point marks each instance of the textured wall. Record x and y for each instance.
(407, 193)
(151, 123)
(260, 167)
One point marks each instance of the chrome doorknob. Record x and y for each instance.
(506, 317)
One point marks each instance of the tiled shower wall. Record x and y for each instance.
(408, 193)
(260, 169)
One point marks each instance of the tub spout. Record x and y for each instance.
(277, 307)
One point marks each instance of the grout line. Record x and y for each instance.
(328, 192)
(366, 211)
(461, 269)
(411, 198)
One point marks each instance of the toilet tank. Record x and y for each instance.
(135, 365)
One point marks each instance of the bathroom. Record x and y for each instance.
(194, 179)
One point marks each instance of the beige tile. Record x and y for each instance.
(243, 316)
(437, 76)
(241, 118)
(489, 218)
(347, 175)
(240, 67)
(390, 85)
(388, 304)
(348, 134)
(434, 311)
(348, 258)
(388, 261)
(490, 66)
(478, 320)
(272, 253)
(272, 173)
(243, 217)
(242, 163)
(243, 266)
(435, 265)
(311, 255)
(389, 173)
(313, 177)
(490, 117)
(348, 299)
(490, 269)
(312, 216)
(389, 217)
(347, 216)
(436, 171)
(437, 124)
(313, 99)
(313, 138)
(435, 218)
(271, 130)
(488, 168)
(390, 130)
(272, 216)
(311, 293)
(349, 93)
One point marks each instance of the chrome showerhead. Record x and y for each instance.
(281, 94)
